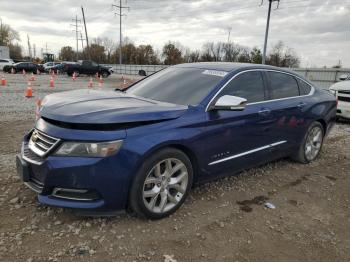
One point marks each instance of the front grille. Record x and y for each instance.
(344, 92)
(344, 98)
(41, 143)
(30, 156)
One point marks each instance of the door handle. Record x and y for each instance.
(264, 111)
(301, 105)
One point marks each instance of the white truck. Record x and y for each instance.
(342, 91)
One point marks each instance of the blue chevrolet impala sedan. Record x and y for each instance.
(143, 148)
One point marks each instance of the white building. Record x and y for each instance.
(4, 52)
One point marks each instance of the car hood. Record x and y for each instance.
(105, 107)
(344, 85)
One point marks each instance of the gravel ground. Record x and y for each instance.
(221, 221)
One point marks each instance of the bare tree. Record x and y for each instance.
(110, 46)
(283, 56)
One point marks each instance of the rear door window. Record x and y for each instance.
(282, 85)
(249, 85)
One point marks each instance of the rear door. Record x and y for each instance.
(287, 109)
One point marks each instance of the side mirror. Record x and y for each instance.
(233, 103)
(142, 73)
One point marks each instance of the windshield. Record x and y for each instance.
(183, 86)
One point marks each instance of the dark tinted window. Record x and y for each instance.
(3, 61)
(183, 86)
(248, 85)
(304, 88)
(283, 85)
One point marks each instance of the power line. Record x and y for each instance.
(268, 27)
(76, 20)
(120, 14)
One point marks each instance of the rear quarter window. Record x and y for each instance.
(304, 88)
(282, 85)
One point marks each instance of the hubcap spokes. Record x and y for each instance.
(165, 185)
(313, 143)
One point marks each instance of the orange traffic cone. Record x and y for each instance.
(100, 82)
(3, 81)
(24, 72)
(38, 105)
(32, 77)
(29, 91)
(74, 76)
(52, 82)
(90, 84)
(38, 102)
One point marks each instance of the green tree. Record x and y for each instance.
(67, 53)
(97, 53)
(256, 56)
(145, 55)
(15, 51)
(171, 54)
(8, 35)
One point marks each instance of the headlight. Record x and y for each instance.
(102, 149)
(333, 91)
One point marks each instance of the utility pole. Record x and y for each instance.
(229, 34)
(267, 27)
(29, 49)
(82, 41)
(34, 51)
(120, 14)
(76, 34)
(86, 34)
(1, 34)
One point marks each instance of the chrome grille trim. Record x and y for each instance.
(41, 143)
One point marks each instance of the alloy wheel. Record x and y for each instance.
(313, 143)
(165, 185)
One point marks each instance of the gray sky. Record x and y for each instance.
(318, 30)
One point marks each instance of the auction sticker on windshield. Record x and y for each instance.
(215, 73)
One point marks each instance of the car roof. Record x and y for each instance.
(228, 67)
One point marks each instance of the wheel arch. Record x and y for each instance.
(324, 125)
(185, 149)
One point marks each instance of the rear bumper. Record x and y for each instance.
(343, 109)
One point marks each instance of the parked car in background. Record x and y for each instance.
(49, 65)
(29, 67)
(5, 62)
(342, 92)
(143, 149)
(86, 67)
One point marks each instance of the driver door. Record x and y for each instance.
(240, 139)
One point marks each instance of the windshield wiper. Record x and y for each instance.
(119, 90)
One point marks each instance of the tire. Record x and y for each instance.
(104, 74)
(302, 156)
(161, 196)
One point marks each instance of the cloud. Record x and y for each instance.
(317, 30)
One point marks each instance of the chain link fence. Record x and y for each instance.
(322, 77)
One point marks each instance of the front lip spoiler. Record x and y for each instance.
(35, 187)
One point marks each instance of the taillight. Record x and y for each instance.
(337, 100)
